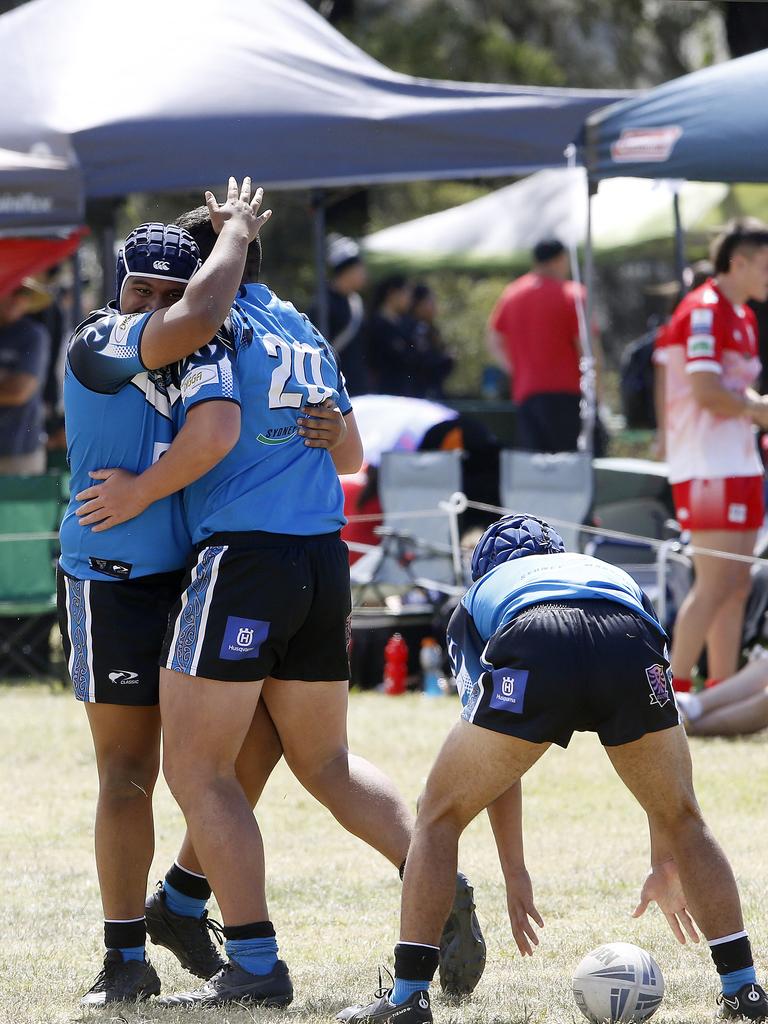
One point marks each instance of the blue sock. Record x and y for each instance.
(257, 956)
(133, 953)
(403, 990)
(185, 906)
(734, 980)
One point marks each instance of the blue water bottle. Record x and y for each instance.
(431, 661)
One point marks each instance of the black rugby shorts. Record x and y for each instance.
(568, 666)
(263, 604)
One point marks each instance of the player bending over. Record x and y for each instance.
(545, 643)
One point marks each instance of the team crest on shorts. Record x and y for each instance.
(659, 681)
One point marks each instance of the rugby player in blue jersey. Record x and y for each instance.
(545, 643)
(115, 589)
(263, 622)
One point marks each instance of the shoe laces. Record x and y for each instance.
(215, 927)
(384, 990)
(111, 963)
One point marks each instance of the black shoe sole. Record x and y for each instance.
(462, 960)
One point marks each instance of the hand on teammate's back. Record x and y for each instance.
(115, 500)
(238, 208)
(322, 426)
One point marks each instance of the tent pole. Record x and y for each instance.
(77, 287)
(107, 255)
(321, 286)
(679, 242)
(585, 317)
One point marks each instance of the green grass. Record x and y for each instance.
(335, 903)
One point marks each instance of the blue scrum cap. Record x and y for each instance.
(514, 536)
(157, 250)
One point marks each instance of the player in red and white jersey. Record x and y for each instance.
(711, 361)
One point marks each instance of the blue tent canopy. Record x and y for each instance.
(706, 126)
(40, 190)
(176, 94)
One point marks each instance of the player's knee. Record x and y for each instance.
(680, 811)
(318, 767)
(127, 778)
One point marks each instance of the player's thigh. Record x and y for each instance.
(475, 765)
(260, 752)
(126, 741)
(205, 721)
(723, 573)
(656, 769)
(310, 718)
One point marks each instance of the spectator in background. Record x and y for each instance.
(346, 313)
(533, 334)
(24, 356)
(716, 475)
(391, 351)
(58, 318)
(433, 363)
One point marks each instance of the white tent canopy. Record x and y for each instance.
(503, 225)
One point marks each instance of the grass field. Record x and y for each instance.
(335, 903)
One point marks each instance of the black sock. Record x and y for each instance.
(414, 962)
(733, 955)
(188, 884)
(125, 934)
(256, 930)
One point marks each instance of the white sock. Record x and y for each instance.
(689, 705)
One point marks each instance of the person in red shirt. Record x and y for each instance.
(533, 334)
(711, 361)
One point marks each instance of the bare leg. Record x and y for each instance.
(473, 768)
(719, 583)
(737, 719)
(127, 745)
(311, 720)
(657, 771)
(205, 723)
(258, 756)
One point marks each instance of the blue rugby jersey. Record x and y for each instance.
(271, 480)
(511, 587)
(119, 414)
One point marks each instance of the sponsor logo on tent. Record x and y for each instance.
(645, 145)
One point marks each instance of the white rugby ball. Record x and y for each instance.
(618, 982)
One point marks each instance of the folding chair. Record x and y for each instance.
(29, 517)
(416, 550)
(556, 487)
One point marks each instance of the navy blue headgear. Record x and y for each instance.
(514, 537)
(157, 250)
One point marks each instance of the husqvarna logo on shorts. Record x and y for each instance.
(509, 689)
(243, 638)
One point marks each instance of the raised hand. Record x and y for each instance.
(238, 208)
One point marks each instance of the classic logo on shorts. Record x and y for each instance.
(243, 638)
(509, 689)
(124, 677)
(659, 680)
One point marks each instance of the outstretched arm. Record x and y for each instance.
(663, 887)
(211, 430)
(506, 817)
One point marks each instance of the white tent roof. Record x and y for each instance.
(505, 224)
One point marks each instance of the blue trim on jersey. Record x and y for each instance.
(78, 634)
(191, 615)
(511, 587)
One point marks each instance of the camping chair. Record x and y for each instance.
(662, 570)
(556, 487)
(29, 517)
(416, 550)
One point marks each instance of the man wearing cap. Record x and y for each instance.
(25, 348)
(115, 589)
(533, 334)
(545, 643)
(346, 312)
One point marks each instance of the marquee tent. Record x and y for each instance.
(499, 229)
(176, 95)
(706, 126)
